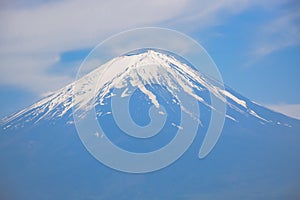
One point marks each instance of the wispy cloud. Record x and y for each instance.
(33, 37)
(282, 32)
(67, 24)
(30, 73)
(291, 110)
(206, 13)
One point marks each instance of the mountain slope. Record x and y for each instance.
(128, 73)
(42, 157)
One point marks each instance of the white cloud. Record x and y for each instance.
(30, 72)
(32, 37)
(69, 24)
(210, 12)
(282, 32)
(291, 110)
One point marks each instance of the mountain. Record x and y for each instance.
(141, 102)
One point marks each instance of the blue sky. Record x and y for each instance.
(255, 44)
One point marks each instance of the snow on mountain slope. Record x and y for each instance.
(127, 72)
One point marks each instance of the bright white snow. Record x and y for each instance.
(127, 72)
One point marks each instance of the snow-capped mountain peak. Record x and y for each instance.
(125, 73)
